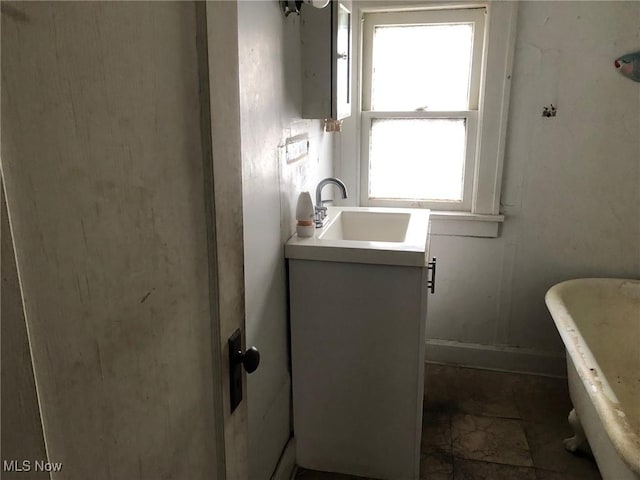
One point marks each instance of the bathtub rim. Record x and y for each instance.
(623, 436)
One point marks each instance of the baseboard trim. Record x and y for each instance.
(287, 463)
(499, 358)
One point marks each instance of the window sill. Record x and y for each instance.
(465, 224)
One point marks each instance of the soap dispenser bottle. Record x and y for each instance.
(304, 216)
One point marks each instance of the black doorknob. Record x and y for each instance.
(249, 359)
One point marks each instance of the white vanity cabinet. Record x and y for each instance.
(326, 60)
(358, 315)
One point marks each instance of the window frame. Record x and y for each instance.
(495, 84)
(373, 20)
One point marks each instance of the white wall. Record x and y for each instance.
(270, 91)
(571, 191)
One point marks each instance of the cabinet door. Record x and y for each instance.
(341, 63)
(325, 35)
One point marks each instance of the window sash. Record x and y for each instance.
(424, 17)
(471, 120)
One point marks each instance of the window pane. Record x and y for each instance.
(421, 67)
(417, 159)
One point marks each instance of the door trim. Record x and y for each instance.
(209, 204)
(220, 98)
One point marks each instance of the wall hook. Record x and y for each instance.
(549, 111)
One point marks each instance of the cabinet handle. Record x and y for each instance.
(431, 284)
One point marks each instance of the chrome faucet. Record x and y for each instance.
(320, 209)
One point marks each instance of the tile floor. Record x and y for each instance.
(483, 425)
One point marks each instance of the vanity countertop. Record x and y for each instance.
(383, 236)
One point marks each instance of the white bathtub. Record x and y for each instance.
(599, 321)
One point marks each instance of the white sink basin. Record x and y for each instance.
(368, 226)
(388, 236)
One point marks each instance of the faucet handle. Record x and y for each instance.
(320, 215)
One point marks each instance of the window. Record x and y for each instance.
(434, 100)
(421, 75)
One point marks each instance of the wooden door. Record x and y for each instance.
(125, 243)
